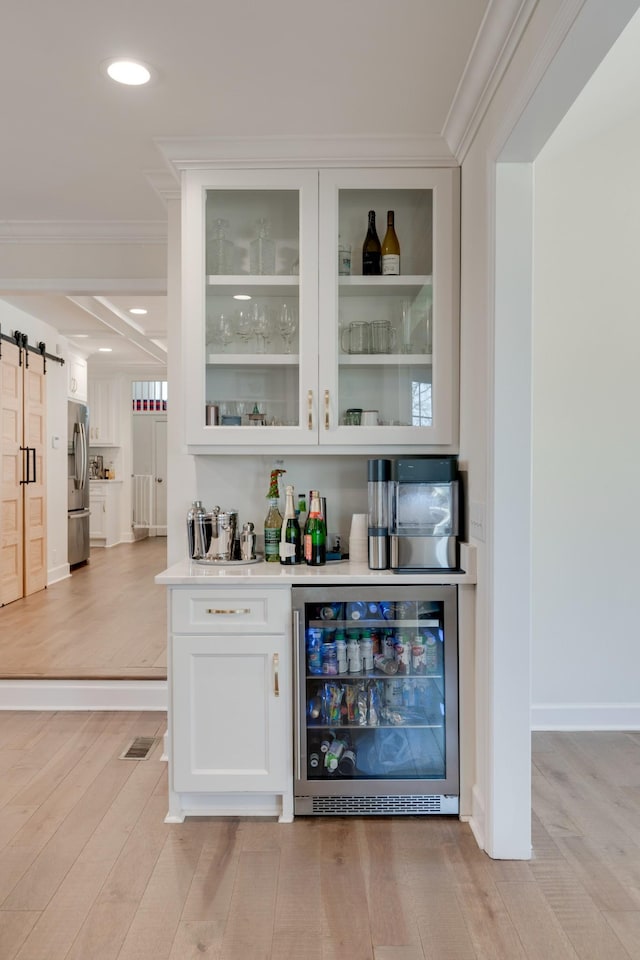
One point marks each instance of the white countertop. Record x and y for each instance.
(189, 573)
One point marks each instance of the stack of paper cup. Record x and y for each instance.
(358, 539)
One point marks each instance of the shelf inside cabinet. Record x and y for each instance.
(228, 285)
(407, 286)
(385, 359)
(252, 359)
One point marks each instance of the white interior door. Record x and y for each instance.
(160, 475)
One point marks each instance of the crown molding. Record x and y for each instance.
(500, 32)
(83, 231)
(164, 183)
(84, 286)
(183, 153)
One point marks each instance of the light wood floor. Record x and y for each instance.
(107, 621)
(89, 870)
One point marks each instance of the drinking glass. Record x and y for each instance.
(263, 328)
(244, 326)
(287, 325)
(223, 331)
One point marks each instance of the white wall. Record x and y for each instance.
(12, 319)
(586, 412)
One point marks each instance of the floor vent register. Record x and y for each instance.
(140, 748)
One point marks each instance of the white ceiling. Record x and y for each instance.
(82, 153)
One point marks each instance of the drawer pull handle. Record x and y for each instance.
(276, 677)
(231, 612)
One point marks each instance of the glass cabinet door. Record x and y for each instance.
(377, 697)
(386, 361)
(250, 301)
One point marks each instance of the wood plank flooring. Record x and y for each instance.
(107, 621)
(90, 871)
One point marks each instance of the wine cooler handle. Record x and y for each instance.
(326, 409)
(296, 688)
(276, 675)
(310, 409)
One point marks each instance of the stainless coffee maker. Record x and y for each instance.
(424, 521)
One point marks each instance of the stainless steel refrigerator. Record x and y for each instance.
(376, 728)
(78, 482)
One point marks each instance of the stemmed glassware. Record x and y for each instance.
(244, 326)
(262, 327)
(287, 326)
(223, 331)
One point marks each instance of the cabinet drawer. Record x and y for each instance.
(230, 610)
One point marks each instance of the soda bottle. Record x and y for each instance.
(315, 754)
(290, 537)
(315, 533)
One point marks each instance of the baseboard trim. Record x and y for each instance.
(477, 820)
(83, 694)
(585, 716)
(61, 572)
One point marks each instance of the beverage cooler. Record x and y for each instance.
(376, 728)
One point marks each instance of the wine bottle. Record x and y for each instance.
(290, 537)
(390, 249)
(315, 533)
(273, 521)
(371, 249)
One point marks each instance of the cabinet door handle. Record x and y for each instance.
(326, 409)
(310, 402)
(296, 692)
(276, 675)
(241, 611)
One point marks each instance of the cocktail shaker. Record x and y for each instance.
(378, 477)
(247, 542)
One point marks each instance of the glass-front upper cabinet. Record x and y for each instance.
(289, 340)
(389, 327)
(250, 306)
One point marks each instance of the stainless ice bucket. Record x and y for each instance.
(223, 533)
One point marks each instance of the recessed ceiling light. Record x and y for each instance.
(139, 311)
(241, 296)
(79, 336)
(132, 72)
(105, 349)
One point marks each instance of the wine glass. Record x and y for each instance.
(263, 328)
(244, 326)
(223, 331)
(287, 326)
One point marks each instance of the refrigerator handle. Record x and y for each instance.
(296, 688)
(85, 457)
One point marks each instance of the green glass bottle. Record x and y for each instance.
(290, 538)
(315, 533)
(273, 521)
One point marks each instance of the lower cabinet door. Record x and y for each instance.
(231, 713)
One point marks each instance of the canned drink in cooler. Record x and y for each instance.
(314, 650)
(403, 653)
(418, 657)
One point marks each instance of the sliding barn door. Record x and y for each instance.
(35, 491)
(23, 542)
(11, 469)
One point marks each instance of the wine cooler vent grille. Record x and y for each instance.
(360, 806)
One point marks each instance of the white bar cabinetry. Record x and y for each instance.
(230, 707)
(252, 384)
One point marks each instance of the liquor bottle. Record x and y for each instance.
(273, 520)
(301, 510)
(290, 537)
(371, 249)
(390, 249)
(315, 533)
